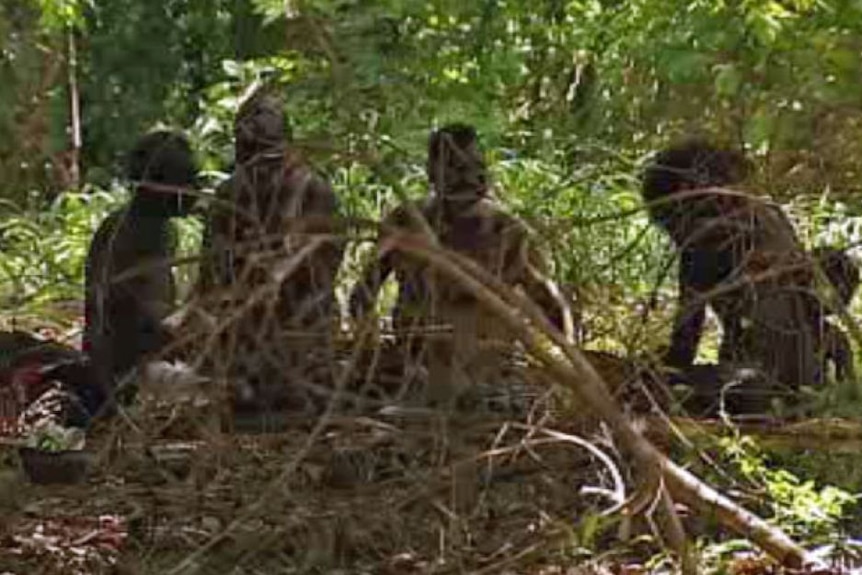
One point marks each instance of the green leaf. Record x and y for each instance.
(684, 65)
(60, 15)
(727, 80)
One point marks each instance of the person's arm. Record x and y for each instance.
(839, 350)
(324, 220)
(540, 288)
(364, 294)
(214, 269)
(688, 322)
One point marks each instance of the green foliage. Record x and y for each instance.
(145, 63)
(61, 15)
(568, 97)
(605, 252)
(44, 250)
(188, 232)
(796, 505)
(48, 436)
(542, 77)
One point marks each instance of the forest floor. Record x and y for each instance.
(398, 493)
(529, 491)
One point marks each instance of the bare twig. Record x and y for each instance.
(571, 369)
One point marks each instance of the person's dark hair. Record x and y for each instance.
(692, 164)
(456, 136)
(163, 157)
(259, 126)
(455, 162)
(163, 169)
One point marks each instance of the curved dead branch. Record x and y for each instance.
(572, 370)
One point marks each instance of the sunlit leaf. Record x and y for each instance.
(727, 79)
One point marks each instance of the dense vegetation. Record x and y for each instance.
(569, 98)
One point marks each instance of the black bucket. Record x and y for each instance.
(54, 467)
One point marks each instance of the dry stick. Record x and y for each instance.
(468, 270)
(74, 108)
(618, 494)
(256, 296)
(537, 316)
(652, 480)
(579, 375)
(192, 562)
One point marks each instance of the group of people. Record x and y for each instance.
(273, 244)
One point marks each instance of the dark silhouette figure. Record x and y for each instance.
(737, 254)
(843, 275)
(466, 221)
(270, 259)
(831, 341)
(130, 287)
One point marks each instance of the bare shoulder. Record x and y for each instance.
(221, 201)
(504, 221)
(109, 228)
(323, 197)
(225, 189)
(107, 244)
(402, 216)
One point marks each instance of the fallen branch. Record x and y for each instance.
(571, 369)
(822, 435)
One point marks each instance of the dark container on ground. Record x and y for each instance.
(54, 467)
